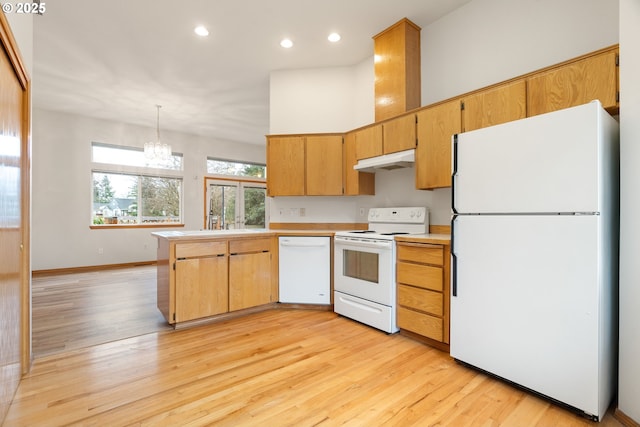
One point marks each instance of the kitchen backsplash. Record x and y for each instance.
(393, 188)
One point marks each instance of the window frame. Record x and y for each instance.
(138, 171)
(240, 183)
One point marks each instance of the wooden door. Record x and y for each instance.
(369, 142)
(15, 266)
(576, 83)
(285, 162)
(324, 165)
(399, 134)
(249, 280)
(201, 287)
(355, 183)
(494, 106)
(436, 126)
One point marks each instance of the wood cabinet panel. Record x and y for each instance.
(495, 106)
(576, 83)
(397, 69)
(249, 280)
(368, 142)
(424, 276)
(420, 323)
(250, 245)
(399, 134)
(421, 299)
(421, 252)
(355, 183)
(200, 249)
(436, 125)
(201, 287)
(286, 163)
(324, 165)
(423, 290)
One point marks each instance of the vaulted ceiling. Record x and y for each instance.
(117, 59)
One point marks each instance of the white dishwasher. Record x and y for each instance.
(305, 269)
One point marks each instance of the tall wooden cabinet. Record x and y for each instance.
(397, 69)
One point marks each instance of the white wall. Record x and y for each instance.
(22, 28)
(62, 192)
(488, 41)
(629, 369)
(481, 43)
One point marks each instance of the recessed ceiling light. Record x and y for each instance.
(334, 37)
(201, 31)
(286, 43)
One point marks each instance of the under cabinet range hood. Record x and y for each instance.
(400, 159)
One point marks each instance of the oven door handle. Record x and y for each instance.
(363, 244)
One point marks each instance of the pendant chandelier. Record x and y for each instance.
(156, 151)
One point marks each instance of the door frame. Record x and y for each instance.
(9, 44)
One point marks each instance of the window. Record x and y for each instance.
(230, 168)
(127, 190)
(236, 202)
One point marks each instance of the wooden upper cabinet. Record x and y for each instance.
(355, 183)
(436, 125)
(397, 70)
(369, 142)
(494, 106)
(286, 163)
(575, 83)
(324, 165)
(399, 134)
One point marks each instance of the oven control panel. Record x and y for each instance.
(416, 215)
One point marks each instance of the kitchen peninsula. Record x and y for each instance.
(207, 273)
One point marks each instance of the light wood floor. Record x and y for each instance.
(77, 310)
(274, 368)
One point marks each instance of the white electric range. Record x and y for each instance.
(365, 265)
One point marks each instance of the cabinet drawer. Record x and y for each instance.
(423, 324)
(423, 276)
(420, 299)
(419, 252)
(200, 249)
(252, 245)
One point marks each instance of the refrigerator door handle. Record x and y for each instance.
(454, 171)
(454, 259)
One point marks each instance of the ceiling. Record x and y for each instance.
(118, 59)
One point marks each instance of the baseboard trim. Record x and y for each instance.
(626, 420)
(71, 270)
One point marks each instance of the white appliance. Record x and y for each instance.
(534, 254)
(365, 265)
(304, 269)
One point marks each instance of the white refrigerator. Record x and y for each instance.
(535, 254)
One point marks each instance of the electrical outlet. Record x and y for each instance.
(361, 212)
(303, 211)
(100, 251)
(294, 211)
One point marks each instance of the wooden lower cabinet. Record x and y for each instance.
(202, 289)
(249, 280)
(203, 278)
(423, 291)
